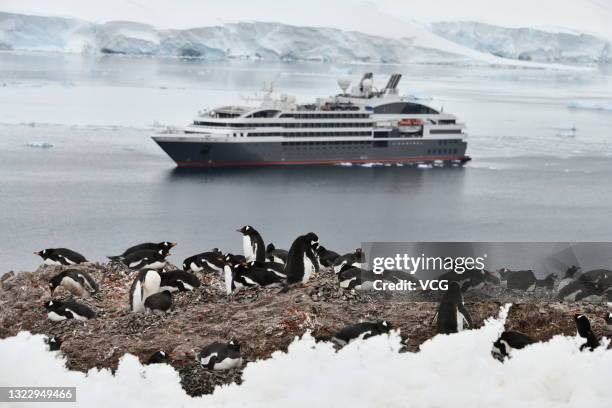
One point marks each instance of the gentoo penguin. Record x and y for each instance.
(326, 257)
(145, 284)
(77, 282)
(570, 275)
(521, 280)
(234, 259)
(353, 259)
(242, 276)
(54, 343)
(252, 244)
(158, 357)
(301, 259)
(452, 314)
(584, 330)
(274, 254)
(351, 277)
(212, 261)
(275, 267)
(60, 256)
(147, 246)
(548, 282)
(608, 318)
(59, 310)
(146, 259)
(173, 281)
(158, 302)
(508, 341)
(580, 290)
(357, 331)
(221, 356)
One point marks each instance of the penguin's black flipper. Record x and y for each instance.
(211, 363)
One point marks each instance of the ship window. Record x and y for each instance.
(404, 108)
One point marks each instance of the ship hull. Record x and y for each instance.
(198, 153)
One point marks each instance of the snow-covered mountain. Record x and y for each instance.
(526, 44)
(438, 43)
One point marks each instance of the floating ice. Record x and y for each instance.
(40, 144)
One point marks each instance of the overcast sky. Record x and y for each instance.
(383, 17)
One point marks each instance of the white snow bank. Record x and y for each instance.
(596, 106)
(455, 370)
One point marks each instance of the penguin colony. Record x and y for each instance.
(267, 266)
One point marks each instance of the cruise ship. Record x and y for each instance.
(361, 124)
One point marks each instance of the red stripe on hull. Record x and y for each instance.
(430, 159)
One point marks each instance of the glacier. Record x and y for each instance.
(447, 370)
(528, 44)
(457, 42)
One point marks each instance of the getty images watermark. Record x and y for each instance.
(399, 266)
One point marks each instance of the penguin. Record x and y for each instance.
(54, 343)
(508, 341)
(357, 331)
(146, 259)
(173, 281)
(353, 259)
(147, 246)
(274, 254)
(326, 257)
(158, 302)
(301, 260)
(252, 244)
(77, 282)
(581, 290)
(275, 267)
(351, 277)
(59, 310)
(235, 259)
(241, 276)
(452, 314)
(608, 318)
(221, 356)
(584, 330)
(212, 261)
(159, 357)
(145, 284)
(568, 277)
(548, 282)
(60, 256)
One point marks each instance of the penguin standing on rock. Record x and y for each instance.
(147, 246)
(221, 356)
(357, 331)
(158, 302)
(301, 260)
(508, 341)
(77, 282)
(326, 257)
(452, 314)
(146, 259)
(182, 281)
(145, 284)
(60, 256)
(59, 310)
(274, 254)
(584, 330)
(252, 244)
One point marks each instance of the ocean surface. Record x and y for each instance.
(78, 168)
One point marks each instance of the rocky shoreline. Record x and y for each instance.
(262, 320)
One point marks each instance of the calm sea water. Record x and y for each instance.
(105, 185)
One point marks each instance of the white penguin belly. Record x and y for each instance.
(213, 266)
(228, 363)
(137, 301)
(308, 269)
(195, 267)
(151, 284)
(459, 321)
(205, 360)
(564, 283)
(156, 265)
(55, 317)
(247, 248)
(76, 315)
(227, 271)
(51, 262)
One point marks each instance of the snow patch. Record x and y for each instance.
(363, 374)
